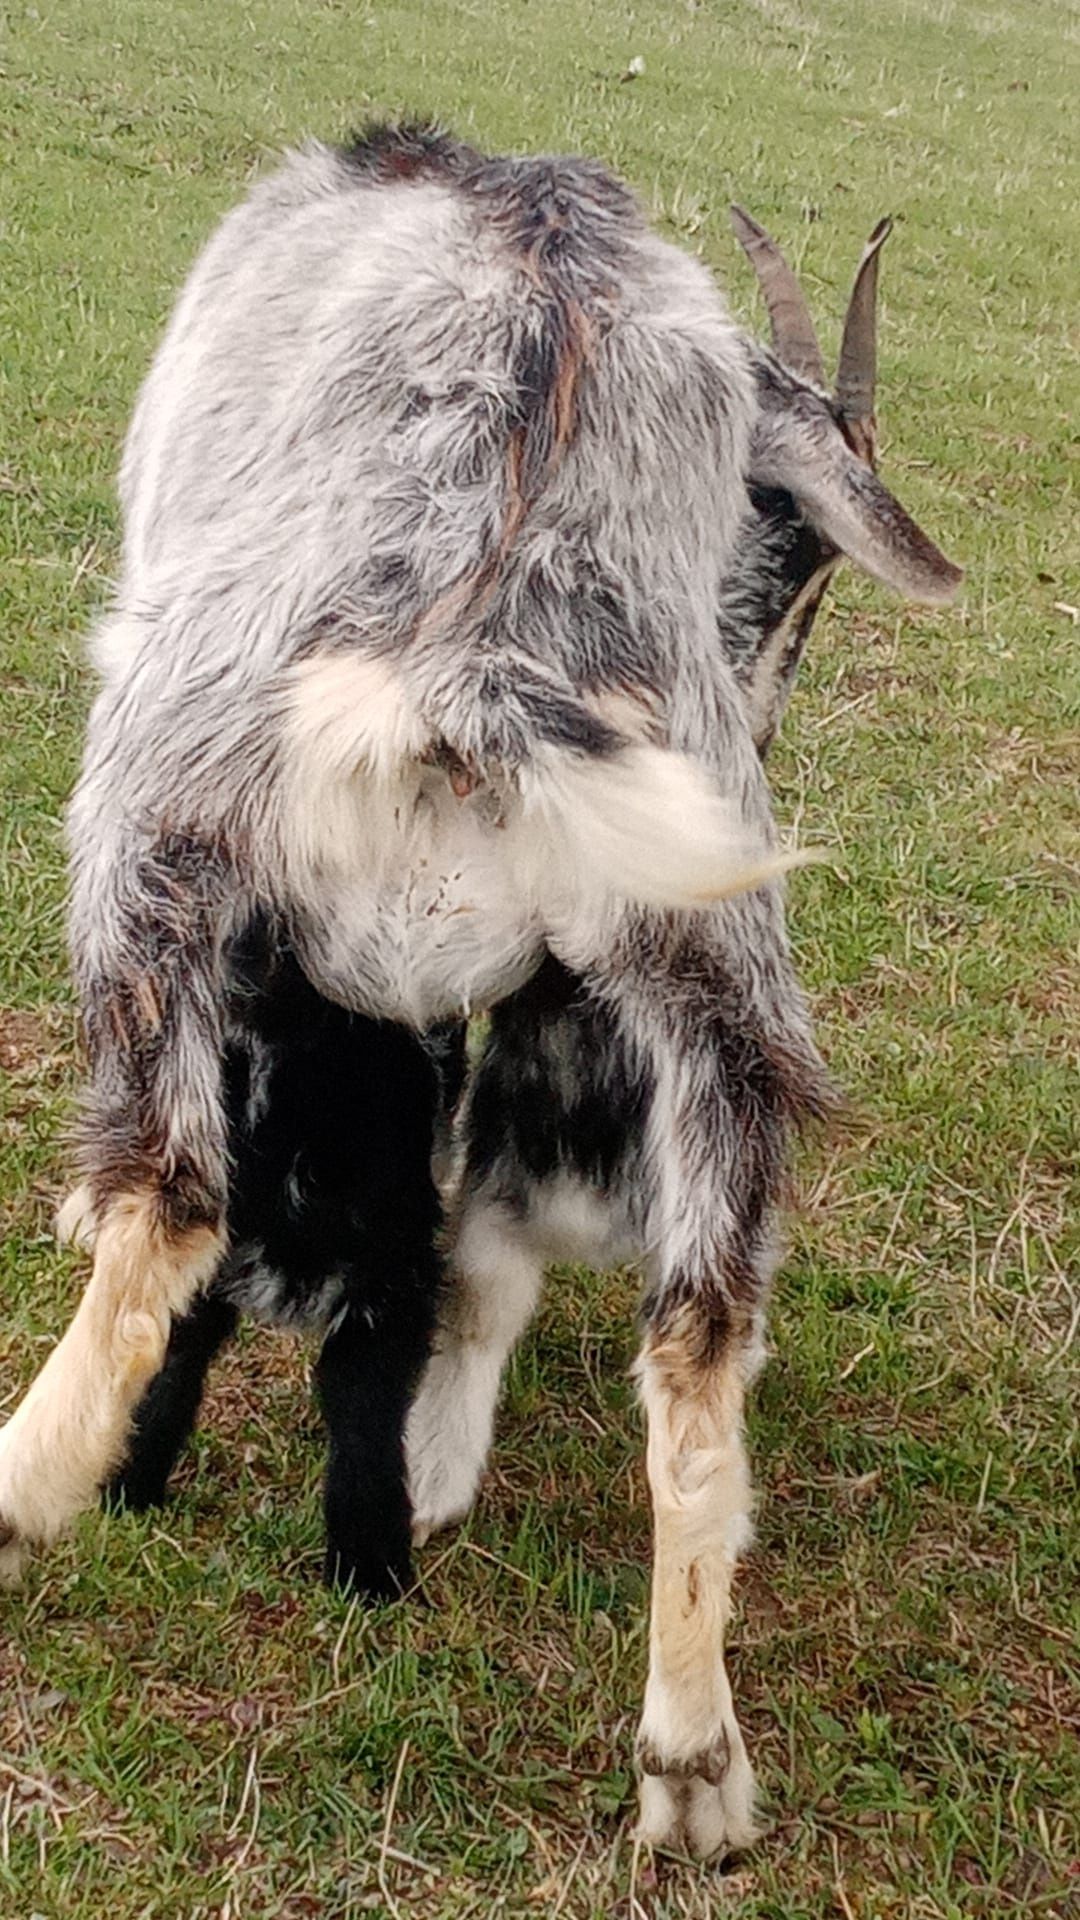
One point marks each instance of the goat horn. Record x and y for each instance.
(793, 333)
(857, 372)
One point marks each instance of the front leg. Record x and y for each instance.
(540, 1122)
(495, 1279)
(166, 1415)
(365, 1375)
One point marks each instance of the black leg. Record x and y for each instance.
(365, 1379)
(168, 1409)
(332, 1203)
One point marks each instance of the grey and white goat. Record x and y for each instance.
(458, 517)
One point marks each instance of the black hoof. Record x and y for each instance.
(357, 1573)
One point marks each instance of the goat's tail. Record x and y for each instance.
(641, 821)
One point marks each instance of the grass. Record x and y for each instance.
(189, 1726)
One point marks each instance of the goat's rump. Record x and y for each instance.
(399, 499)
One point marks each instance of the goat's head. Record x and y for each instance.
(815, 496)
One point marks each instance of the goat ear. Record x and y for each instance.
(802, 450)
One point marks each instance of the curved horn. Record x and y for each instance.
(857, 371)
(792, 328)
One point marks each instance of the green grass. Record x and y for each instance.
(189, 1726)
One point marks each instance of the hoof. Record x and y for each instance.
(434, 1521)
(702, 1806)
(13, 1551)
(442, 1490)
(357, 1574)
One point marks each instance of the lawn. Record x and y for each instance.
(189, 1726)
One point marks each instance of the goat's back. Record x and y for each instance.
(396, 367)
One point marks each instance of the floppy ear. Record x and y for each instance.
(799, 446)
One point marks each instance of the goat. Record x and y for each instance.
(416, 697)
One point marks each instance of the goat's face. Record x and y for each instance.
(814, 496)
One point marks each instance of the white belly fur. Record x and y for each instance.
(406, 898)
(414, 895)
(422, 917)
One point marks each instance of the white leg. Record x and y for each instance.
(697, 1787)
(70, 1429)
(76, 1219)
(497, 1274)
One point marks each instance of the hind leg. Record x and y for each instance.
(169, 1408)
(717, 1066)
(69, 1430)
(166, 1414)
(155, 1165)
(697, 1785)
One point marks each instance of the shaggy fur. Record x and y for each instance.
(469, 550)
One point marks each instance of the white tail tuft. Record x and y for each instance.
(648, 823)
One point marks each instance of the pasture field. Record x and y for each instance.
(189, 1726)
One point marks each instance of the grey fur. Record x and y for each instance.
(461, 530)
(319, 457)
(469, 428)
